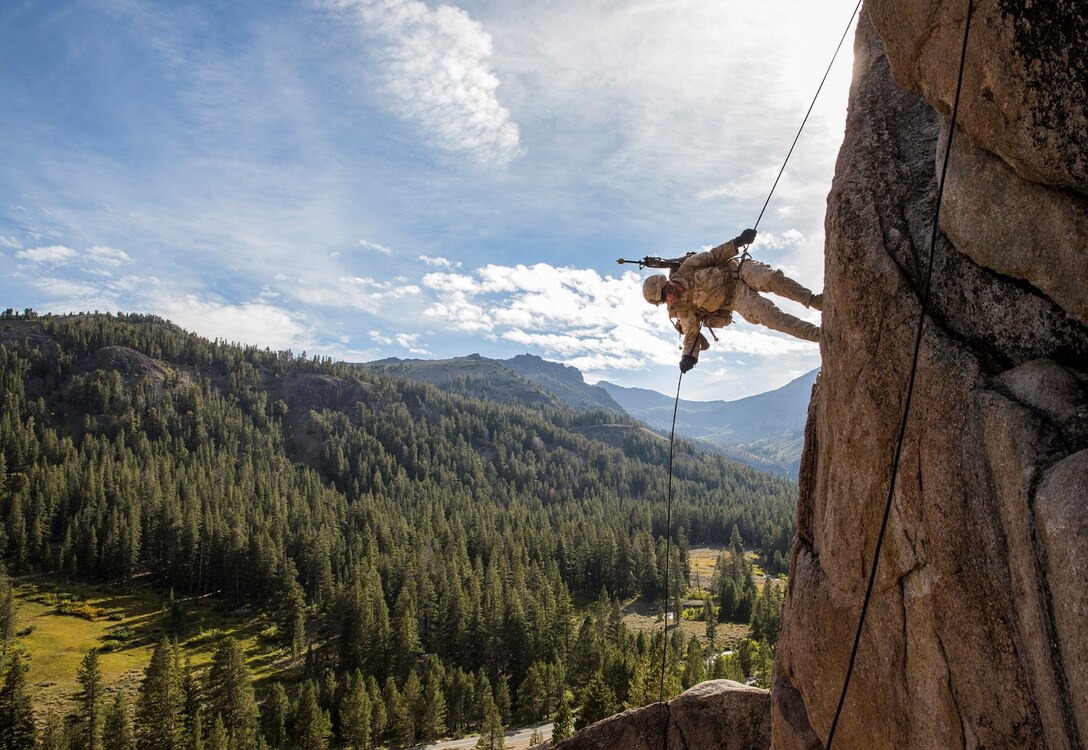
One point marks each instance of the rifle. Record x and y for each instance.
(652, 261)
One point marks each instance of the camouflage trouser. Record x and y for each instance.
(759, 277)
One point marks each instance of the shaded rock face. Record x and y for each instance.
(718, 714)
(976, 635)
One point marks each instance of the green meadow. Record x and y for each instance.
(58, 623)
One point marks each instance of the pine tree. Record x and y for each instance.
(159, 710)
(196, 731)
(407, 718)
(482, 693)
(117, 731)
(536, 737)
(585, 658)
(563, 726)
(312, 726)
(54, 734)
(378, 717)
(355, 712)
(491, 729)
(736, 544)
(711, 617)
(645, 683)
(533, 694)
(432, 720)
(502, 697)
(7, 602)
(230, 694)
(16, 713)
(217, 738)
(598, 702)
(767, 613)
(274, 716)
(694, 668)
(745, 653)
(394, 707)
(89, 700)
(292, 616)
(192, 706)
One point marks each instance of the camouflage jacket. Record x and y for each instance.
(709, 279)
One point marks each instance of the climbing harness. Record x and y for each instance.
(910, 384)
(676, 403)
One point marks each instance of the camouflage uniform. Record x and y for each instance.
(717, 283)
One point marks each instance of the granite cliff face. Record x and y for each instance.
(976, 635)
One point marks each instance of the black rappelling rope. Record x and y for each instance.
(676, 403)
(819, 88)
(668, 539)
(910, 382)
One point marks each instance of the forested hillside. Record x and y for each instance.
(418, 545)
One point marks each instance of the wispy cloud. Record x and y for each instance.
(108, 256)
(52, 254)
(255, 323)
(68, 294)
(354, 292)
(407, 341)
(436, 68)
(790, 238)
(439, 262)
(57, 255)
(10, 242)
(376, 247)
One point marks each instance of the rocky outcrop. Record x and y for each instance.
(719, 714)
(129, 362)
(975, 636)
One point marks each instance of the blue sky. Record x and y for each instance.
(374, 178)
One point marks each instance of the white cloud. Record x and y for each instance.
(575, 314)
(255, 323)
(790, 238)
(594, 322)
(60, 254)
(66, 289)
(356, 292)
(70, 295)
(401, 340)
(436, 67)
(376, 247)
(439, 262)
(54, 254)
(108, 256)
(10, 242)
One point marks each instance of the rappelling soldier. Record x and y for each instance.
(710, 286)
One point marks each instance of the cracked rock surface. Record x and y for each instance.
(717, 714)
(976, 635)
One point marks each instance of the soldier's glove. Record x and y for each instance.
(747, 237)
(687, 362)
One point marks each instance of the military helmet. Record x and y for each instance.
(652, 288)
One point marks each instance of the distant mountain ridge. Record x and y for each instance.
(525, 379)
(769, 426)
(763, 431)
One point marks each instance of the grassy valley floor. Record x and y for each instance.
(60, 622)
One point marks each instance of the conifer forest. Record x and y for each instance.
(427, 564)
